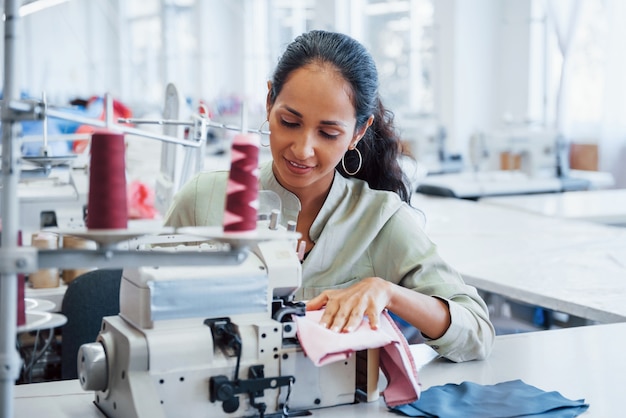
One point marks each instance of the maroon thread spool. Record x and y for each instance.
(107, 206)
(242, 191)
(21, 303)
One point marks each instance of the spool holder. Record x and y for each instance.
(25, 260)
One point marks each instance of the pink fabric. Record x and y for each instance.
(324, 346)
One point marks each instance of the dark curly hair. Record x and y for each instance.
(380, 147)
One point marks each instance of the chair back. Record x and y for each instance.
(88, 298)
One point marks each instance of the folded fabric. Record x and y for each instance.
(324, 346)
(502, 400)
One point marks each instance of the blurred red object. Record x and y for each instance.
(96, 106)
(21, 305)
(141, 201)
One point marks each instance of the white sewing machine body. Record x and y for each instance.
(172, 351)
(531, 151)
(509, 162)
(58, 198)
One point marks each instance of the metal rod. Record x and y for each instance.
(45, 125)
(113, 258)
(9, 357)
(108, 110)
(178, 122)
(53, 138)
(120, 128)
(135, 121)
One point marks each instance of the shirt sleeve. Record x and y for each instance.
(410, 259)
(200, 202)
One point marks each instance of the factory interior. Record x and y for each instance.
(511, 143)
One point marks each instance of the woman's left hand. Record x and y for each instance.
(345, 308)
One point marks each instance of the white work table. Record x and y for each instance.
(584, 362)
(601, 206)
(478, 184)
(468, 184)
(569, 266)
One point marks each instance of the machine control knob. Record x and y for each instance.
(92, 367)
(222, 389)
(225, 391)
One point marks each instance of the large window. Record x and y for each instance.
(165, 37)
(579, 54)
(581, 78)
(399, 35)
(216, 51)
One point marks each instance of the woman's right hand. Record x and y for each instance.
(346, 308)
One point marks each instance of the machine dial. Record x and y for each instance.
(92, 367)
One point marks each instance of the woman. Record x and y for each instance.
(334, 149)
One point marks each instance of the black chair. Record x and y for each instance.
(88, 298)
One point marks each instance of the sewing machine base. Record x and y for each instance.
(161, 373)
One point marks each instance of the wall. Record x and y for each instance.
(483, 53)
(71, 50)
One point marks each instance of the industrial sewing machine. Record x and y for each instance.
(212, 342)
(52, 189)
(426, 138)
(58, 198)
(509, 162)
(532, 151)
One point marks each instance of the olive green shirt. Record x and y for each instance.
(358, 233)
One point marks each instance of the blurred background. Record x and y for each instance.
(449, 68)
(491, 97)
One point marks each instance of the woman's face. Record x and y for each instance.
(312, 123)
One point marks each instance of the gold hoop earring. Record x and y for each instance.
(264, 133)
(343, 162)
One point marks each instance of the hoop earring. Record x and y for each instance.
(264, 133)
(343, 162)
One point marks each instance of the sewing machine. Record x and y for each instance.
(533, 152)
(426, 137)
(212, 342)
(509, 162)
(56, 198)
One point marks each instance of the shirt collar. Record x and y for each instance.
(336, 194)
(290, 204)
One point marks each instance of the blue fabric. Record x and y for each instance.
(56, 126)
(502, 400)
(32, 149)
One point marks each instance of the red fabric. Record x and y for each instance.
(398, 366)
(120, 110)
(141, 201)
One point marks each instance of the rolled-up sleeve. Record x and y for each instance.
(416, 264)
